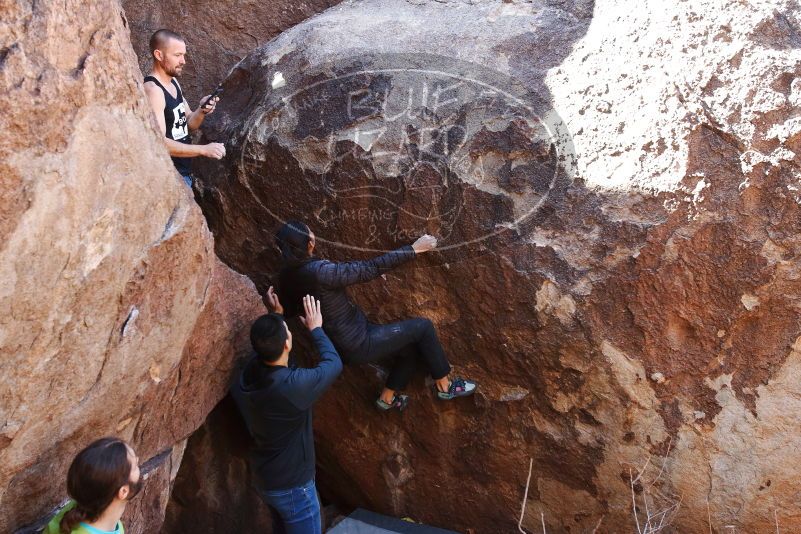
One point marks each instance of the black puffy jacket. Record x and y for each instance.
(343, 321)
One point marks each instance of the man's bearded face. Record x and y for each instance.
(173, 57)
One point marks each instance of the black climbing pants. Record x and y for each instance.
(410, 341)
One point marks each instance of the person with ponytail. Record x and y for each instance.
(356, 339)
(101, 480)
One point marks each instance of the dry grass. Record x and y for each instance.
(652, 508)
(525, 498)
(656, 509)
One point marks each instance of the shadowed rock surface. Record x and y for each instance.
(214, 487)
(617, 193)
(118, 319)
(218, 34)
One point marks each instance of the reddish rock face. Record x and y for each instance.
(617, 201)
(217, 34)
(118, 318)
(213, 488)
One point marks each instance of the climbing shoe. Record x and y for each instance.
(459, 388)
(398, 401)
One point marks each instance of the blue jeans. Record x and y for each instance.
(299, 508)
(187, 179)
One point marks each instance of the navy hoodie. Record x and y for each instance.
(276, 403)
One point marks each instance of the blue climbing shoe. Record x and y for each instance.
(398, 401)
(459, 388)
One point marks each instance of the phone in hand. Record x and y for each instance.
(217, 92)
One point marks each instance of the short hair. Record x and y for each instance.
(268, 336)
(160, 38)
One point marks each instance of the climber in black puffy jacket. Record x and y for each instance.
(358, 340)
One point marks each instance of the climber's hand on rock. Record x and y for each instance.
(273, 303)
(424, 243)
(313, 317)
(214, 150)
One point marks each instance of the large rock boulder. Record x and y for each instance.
(118, 319)
(218, 34)
(617, 192)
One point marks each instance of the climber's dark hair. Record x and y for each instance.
(268, 336)
(160, 38)
(94, 478)
(293, 241)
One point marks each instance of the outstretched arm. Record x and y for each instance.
(354, 272)
(310, 384)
